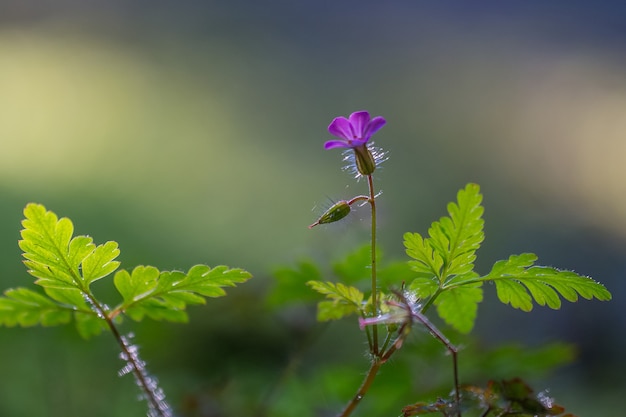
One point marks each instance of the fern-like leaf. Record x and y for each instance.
(518, 283)
(55, 258)
(24, 307)
(343, 300)
(451, 246)
(458, 237)
(165, 295)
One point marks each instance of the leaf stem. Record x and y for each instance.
(431, 300)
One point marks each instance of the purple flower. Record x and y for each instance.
(355, 131)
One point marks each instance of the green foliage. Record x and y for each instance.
(444, 269)
(66, 266)
(443, 273)
(458, 306)
(165, 295)
(451, 248)
(344, 300)
(29, 308)
(518, 282)
(56, 259)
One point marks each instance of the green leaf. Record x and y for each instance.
(458, 306)
(453, 241)
(344, 300)
(518, 283)
(55, 258)
(24, 307)
(456, 238)
(424, 287)
(289, 286)
(427, 263)
(165, 295)
(100, 262)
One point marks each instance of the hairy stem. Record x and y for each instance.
(372, 201)
(365, 386)
(157, 405)
(434, 331)
(377, 356)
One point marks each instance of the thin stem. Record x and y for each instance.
(451, 348)
(378, 359)
(372, 201)
(157, 406)
(374, 368)
(365, 386)
(430, 301)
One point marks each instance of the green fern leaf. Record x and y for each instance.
(453, 241)
(456, 238)
(100, 262)
(518, 283)
(344, 300)
(55, 258)
(165, 295)
(24, 307)
(427, 262)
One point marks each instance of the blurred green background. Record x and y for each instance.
(191, 132)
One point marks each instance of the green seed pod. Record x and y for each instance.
(365, 162)
(336, 212)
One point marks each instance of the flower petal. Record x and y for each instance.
(359, 121)
(336, 144)
(374, 126)
(340, 127)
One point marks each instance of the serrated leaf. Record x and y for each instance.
(518, 283)
(457, 237)
(164, 295)
(453, 241)
(344, 300)
(24, 307)
(100, 262)
(133, 287)
(45, 242)
(55, 258)
(426, 262)
(458, 306)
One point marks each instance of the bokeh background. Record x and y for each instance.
(191, 132)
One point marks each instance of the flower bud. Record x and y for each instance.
(365, 162)
(336, 212)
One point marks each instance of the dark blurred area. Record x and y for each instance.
(191, 132)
